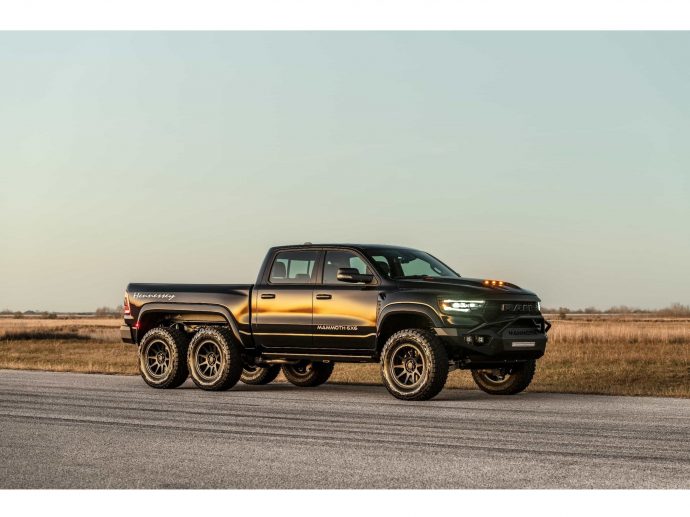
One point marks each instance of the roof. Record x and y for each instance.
(342, 245)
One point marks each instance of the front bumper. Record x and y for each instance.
(513, 339)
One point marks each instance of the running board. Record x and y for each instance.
(326, 358)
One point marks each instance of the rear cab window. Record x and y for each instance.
(293, 267)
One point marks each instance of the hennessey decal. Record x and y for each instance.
(155, 296)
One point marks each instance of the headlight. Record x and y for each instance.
(455, 306)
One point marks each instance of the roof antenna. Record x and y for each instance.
(307, 243)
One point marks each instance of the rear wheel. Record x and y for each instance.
(215, 363)
(307, 374)
(163, 357)
(257, 375)
(508, 380)
(414, 365)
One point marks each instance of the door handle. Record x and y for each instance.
(268, 296)
(323, 297)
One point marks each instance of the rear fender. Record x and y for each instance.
(153, 309)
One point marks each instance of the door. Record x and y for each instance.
(345, 313)
(284, 301)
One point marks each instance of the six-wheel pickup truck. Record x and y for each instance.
(315, 305)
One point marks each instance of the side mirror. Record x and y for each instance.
(353, 276)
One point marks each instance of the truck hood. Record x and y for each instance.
(474, 286)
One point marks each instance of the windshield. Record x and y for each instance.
(404, 263)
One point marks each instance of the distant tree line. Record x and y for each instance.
(109, 312)
(675, 310)
(100, 312)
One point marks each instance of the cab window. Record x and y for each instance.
(335, 259)
(293, 267)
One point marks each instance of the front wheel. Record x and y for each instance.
(258, 375)
(508, 380)
(215, 362)
(414, 365)
(307, 374)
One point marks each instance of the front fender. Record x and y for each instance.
(420, 308)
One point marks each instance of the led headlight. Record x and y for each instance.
(456, 306)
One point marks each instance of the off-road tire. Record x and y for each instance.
(172, 371)
(518, 379)
(258, 375)
(225, 368)
(307, 374)
(403, 354)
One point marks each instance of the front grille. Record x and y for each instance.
(499, 310)
(519, 308)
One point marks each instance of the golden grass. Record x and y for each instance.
(102, 352)
(589, 355)
(69, 356)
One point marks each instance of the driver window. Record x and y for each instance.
(337, 259)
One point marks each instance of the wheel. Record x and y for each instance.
(163, 357)
(505, 381)
(307, 374)
(256, 375)
(214, 358)
(414, 365)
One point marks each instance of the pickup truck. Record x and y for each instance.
(316, 305)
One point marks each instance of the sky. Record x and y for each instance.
(556, 161)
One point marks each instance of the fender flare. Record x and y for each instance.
(207, 308)
(416, 308)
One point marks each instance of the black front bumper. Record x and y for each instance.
(513, 339)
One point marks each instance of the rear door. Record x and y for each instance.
(344, 313)
(283, 314)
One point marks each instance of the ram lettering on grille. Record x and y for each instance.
(517, 307)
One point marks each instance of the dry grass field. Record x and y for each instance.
(605, 355)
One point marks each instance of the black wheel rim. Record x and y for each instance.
(407, 366)
(157, 356)
(208, 360)
(251, 371)
(302, 369)
(496, 375)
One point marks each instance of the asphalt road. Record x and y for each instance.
(62, 430)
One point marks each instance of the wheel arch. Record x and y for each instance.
(152, 314)
(401, 316)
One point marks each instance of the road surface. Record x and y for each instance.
(64, 430)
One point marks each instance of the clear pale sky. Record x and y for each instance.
(558, 161)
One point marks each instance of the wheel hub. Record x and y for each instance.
(157, 358)
(208, 360)
(406, 366)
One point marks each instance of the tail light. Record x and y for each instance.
(128, 311)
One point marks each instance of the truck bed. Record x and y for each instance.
(233, 300)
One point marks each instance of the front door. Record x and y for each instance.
(344, 314)
(283, 315)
